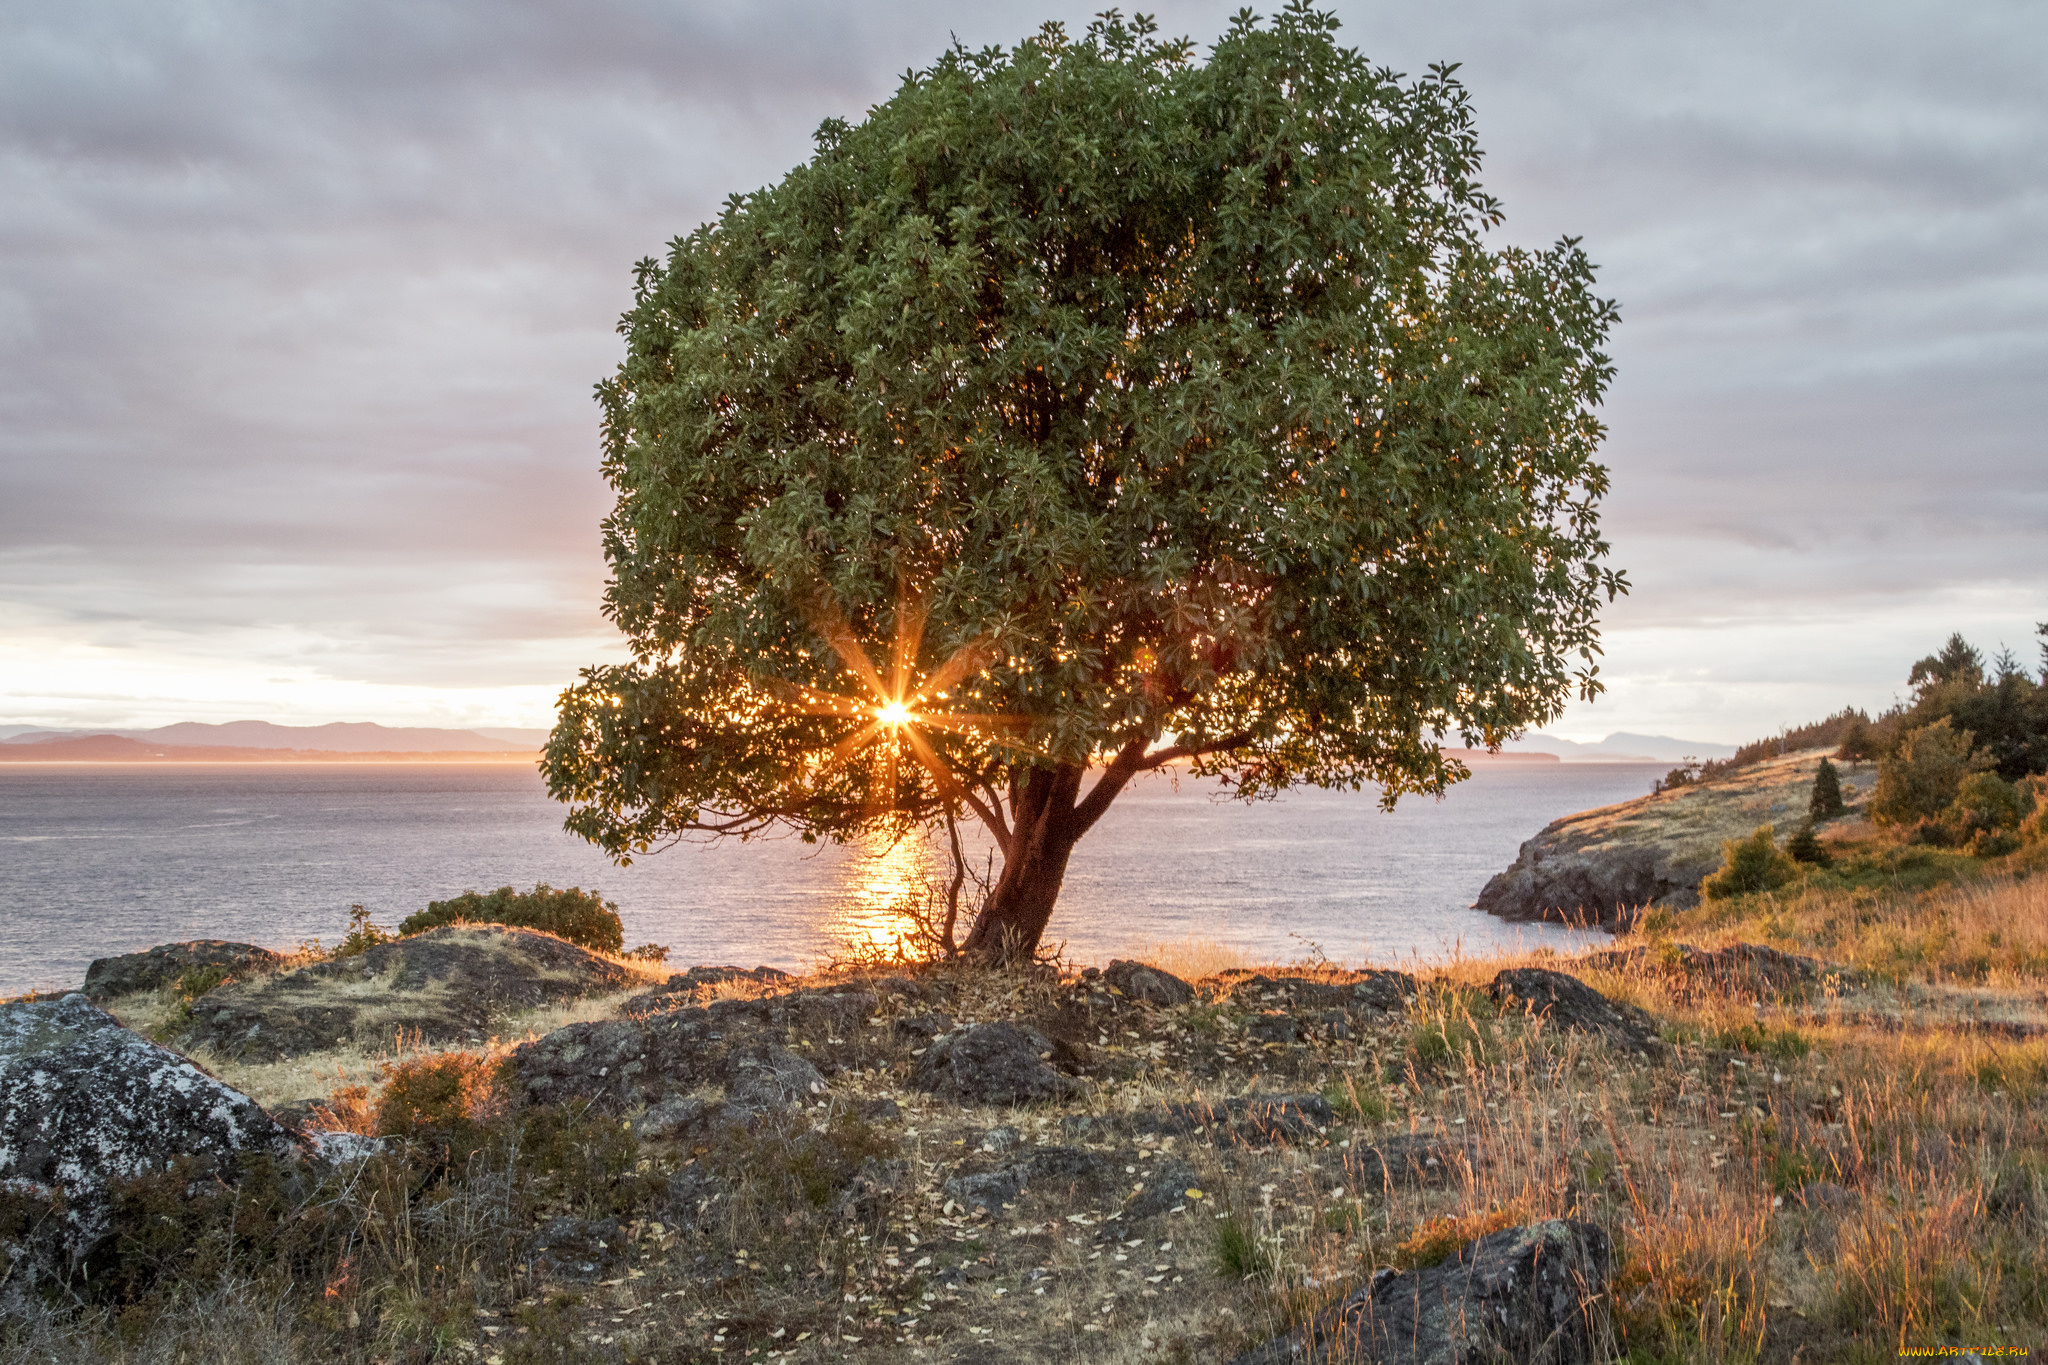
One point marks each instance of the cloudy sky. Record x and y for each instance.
(301, 305)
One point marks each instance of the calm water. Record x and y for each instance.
(100, 860)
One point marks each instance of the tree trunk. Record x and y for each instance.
(1045, 827)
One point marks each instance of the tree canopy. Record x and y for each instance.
(1103, 407)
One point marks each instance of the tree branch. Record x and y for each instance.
(1159, 758)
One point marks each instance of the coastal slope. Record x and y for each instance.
(1604, 866)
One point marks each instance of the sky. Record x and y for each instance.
(301, 305)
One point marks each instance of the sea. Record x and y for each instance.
(103, 859)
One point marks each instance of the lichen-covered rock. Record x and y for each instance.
(639, 1061)
(1000, 1063)
(1148, 985)
(1567, 1002)
(109, 978)
(1062, 1173)
(1371, 989)
(85, 1102)
(764, 1078)
(454, 984)
(1604, 866)
(1525, 1295)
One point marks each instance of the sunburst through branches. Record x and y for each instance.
(897, 709)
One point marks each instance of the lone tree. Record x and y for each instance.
(1089, 408)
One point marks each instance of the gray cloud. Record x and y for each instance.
(300, 304)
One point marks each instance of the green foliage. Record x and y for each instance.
(1826, 801)
(2034, 826)
(1986, 809)
(1240, 1253)
(445, 1103)
(1920, 779)
(1748, 866)
(1186, 397)
(575, 914)
(362, 935)
(1861, 742)
(1358, 1099)
(1786, 1043)
(1804, 847)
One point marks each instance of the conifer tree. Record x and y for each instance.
(1826, 802)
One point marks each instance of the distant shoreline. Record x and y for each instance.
(273, 757)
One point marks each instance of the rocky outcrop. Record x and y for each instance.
(1603, 867)
(447, 985)
(86, 1104)
(109, 978)
(685, 988)
(1747, 970)
(1059, 1172)
(1527, 1295)
(999, 1063)
(1566, 1002)
(1370, 989)
(1147, 985)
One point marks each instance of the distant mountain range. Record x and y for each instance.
(248, 738)
(1622, 745)
(342, 737)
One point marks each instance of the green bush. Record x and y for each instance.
(1750, 865)
(574, 914)
(1985, 804)
(1826, 801)
(362, 935)
(1921, 779)
(1805, 848)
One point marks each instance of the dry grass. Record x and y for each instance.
(1824, 1175)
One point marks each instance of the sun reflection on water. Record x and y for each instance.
(879, 880)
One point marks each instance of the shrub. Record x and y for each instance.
(444, 1103)
(1985, 804)
(1920, 780)
(1805, 848)
(1750, 865)
(362, 934)
(1826, 801)
(2034, 827)
(574, 914)
(1240, 1253)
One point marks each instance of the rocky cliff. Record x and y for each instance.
(1604, 866)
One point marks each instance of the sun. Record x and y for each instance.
(899, 707)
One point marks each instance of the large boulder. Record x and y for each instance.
(1000, 1063)
(1569, 1003)
(455, 984)
(1525, 1295)
(109, 978)
(86, 1103)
